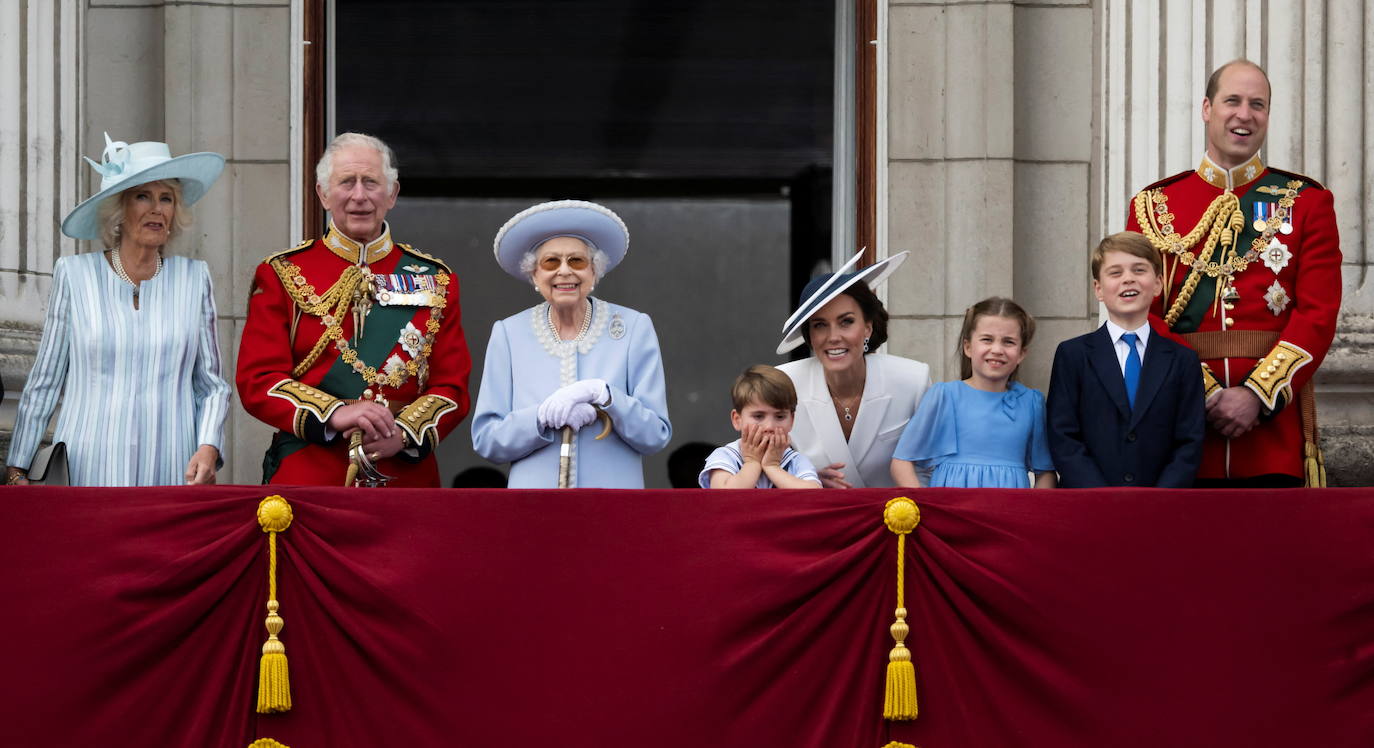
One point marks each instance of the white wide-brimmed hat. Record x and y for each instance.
(822, 289)
(594, 224)
(123, 166)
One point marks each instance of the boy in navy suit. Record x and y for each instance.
(1125, 406)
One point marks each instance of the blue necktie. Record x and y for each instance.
(1132, 367)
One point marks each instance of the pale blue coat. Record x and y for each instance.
(525, 364)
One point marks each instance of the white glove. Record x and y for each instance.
(556, 410)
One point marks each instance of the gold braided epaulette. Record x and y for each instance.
(1272, 377)
(426, 256)
(290, 250)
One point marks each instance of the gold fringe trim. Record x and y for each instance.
(1314, 466)
(901, 515)
(274, 682)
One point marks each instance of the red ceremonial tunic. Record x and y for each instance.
(1272, 329)
(413, 353)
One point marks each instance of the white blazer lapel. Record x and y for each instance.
(820, 410)
(870, 418)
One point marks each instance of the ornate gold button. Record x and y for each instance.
(1229, 322)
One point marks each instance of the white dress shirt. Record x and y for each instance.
(1142, 335)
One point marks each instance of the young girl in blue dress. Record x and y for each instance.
(987, 430)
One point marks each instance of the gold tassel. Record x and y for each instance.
(893, 744)
(1314, 465)
(270, 743)
(274, 683)
(901, 515)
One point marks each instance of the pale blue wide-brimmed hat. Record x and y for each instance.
(823, 289)
(125, 165)
(594, 224)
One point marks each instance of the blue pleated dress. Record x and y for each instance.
(968, 438)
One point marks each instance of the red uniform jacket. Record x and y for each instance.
(1283, 272)
(299, 359)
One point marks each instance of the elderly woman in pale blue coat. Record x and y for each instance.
(560, 363)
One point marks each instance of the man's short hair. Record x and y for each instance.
(765, 384)
(325, 168)
(1132, 243)
(1214, 80)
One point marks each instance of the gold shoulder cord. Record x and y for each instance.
(1222, 222)
(339, 297)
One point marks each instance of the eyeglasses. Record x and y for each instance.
(553, 262)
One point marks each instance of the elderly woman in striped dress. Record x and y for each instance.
(129, 340)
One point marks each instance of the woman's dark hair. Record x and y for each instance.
(873, 311)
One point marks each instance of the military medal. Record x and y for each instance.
(405, 289)
(1276, 255)
(1277, 298)
(1286, 227)
(411, 339)
(1263, 211)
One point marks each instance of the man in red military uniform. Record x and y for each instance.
(1252, 282)
(353, 337)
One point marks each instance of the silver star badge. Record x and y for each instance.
(411, 340)
(1276, 255)
(1277, 298)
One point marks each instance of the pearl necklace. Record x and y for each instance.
(124, 276)
(586, 321)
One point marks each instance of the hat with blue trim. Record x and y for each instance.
(823, 289)
(124, 165)
(594, 224)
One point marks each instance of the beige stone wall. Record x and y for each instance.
(990, 124)
(205, 76)
(1017, 133)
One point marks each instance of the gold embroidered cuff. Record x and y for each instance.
(1272, 377)
(423, 416)
(1210, 385)
(307, 401)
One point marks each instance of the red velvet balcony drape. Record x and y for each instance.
(690, 618)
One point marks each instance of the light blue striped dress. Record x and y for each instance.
(141, 389)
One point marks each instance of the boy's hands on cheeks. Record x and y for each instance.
(753, 442)
(774, 447)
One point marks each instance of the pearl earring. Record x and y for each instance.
(865, 345)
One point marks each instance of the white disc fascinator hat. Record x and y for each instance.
(125, 165)
(823, 289)
(594, 224)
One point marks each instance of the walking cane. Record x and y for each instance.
(565, 449)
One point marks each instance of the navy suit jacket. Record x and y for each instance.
(1097, 439)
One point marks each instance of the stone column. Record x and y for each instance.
(990, 141)
(40, 52)
(214, 75)
(1156, 56)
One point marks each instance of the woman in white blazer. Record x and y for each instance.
(852, 403)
